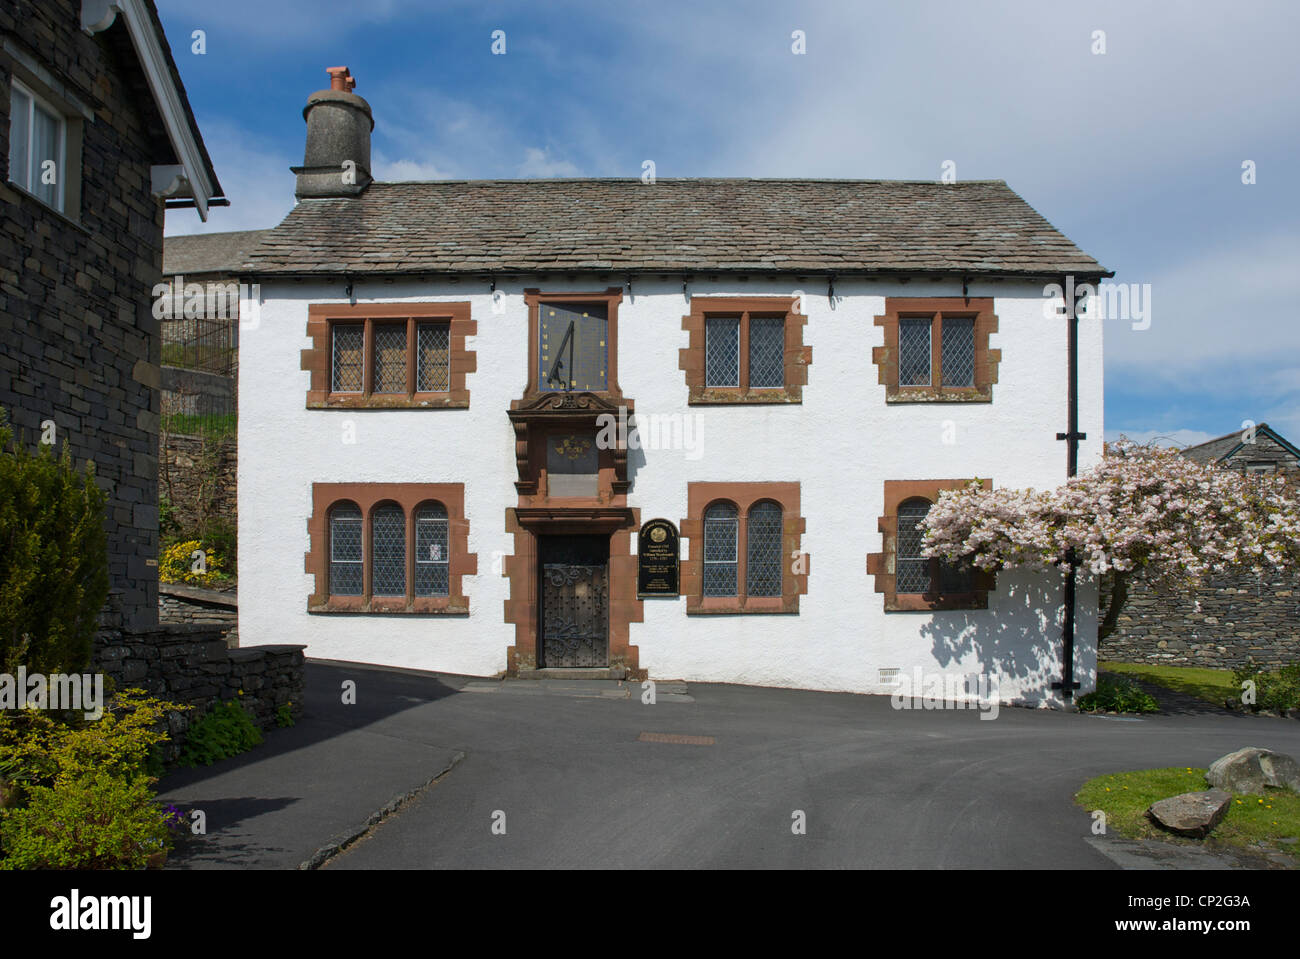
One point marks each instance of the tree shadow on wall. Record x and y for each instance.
(1017, 639)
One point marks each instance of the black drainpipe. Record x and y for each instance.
(1067, 683)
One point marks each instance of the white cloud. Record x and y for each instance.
(538, 163)
(1216, 308)
(396, 171)
(258, 183)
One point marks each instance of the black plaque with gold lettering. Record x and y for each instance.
(657, 563)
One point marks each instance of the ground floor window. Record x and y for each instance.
(389, 548)
(744, 554)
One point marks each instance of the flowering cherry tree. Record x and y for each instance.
(1144, 511)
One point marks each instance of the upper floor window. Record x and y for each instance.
(38, 136)
(745, 350)
(937, 349)
(389, 355)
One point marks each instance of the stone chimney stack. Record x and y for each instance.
(337, 160)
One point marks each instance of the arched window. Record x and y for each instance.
(915, 573)
(721, 532)
(763, 550)
(345, 550)
(911, 569)
(388, 551)
(431, 550)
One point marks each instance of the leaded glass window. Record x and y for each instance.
(958, 351)
(431, 551)
(766, 352)
(388, 551)
(348, 349)
(345, 550)
(721, 532)
(911, 569)
(763, 550)
(390, 358)
(914, 351)
(433, 357)
(722, 351)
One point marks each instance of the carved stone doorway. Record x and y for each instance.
(573, 617)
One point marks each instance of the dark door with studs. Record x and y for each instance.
(574, 595)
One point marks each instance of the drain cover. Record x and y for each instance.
(677, 738)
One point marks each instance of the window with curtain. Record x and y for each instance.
(431, 545)
(37, 144)
(721, 534)
(345, 550)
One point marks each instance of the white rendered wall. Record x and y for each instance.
(841, 443)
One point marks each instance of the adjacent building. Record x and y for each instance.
(99, 139)
(464, 404)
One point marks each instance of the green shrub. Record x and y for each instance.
(38, 749)
(77, 794)
(1117, 694)
(95, 820)
(53, 558)
(225, 730)
(284, 715)
(169, 526)
(1276, 690)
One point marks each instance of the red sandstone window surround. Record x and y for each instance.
(745, 350)
(907, 580)
(937, 349)
(389, 356)
(389, 548)
(745, 554)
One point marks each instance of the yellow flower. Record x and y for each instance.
(241, 692)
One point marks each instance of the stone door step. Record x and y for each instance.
(613, 672)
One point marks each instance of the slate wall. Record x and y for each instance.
(80, 342)
(191, 665)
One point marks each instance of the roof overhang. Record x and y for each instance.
(190, 178)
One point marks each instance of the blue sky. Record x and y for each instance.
(1135, 154)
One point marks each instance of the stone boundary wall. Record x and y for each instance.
(191, 605)
(1241, 620)
(193, 490)
(192, 665)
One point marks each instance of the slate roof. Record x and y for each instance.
(1212, 451)
(673, 225)
(208, 252)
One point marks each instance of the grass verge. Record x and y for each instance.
(1212, 685)
(1250, 821)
